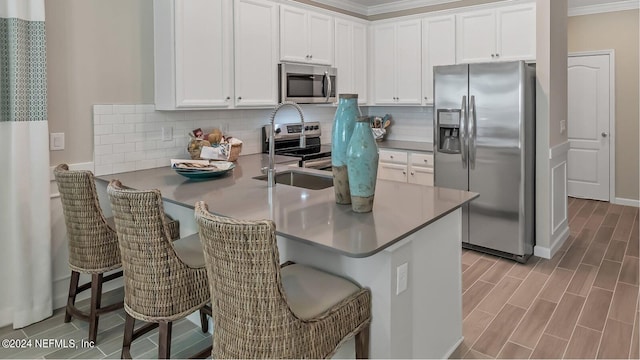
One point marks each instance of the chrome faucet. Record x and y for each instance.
(271, 178)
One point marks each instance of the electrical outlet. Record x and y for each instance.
(402, 273)
(167, 133)
(563, 126)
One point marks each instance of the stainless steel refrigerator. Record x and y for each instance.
(484, 142)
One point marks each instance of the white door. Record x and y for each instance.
(588, 127)
(476, 36)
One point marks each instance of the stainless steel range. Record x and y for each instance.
(287, 142)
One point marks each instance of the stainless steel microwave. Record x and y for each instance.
(307, 84)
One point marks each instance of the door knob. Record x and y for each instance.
(605, 134)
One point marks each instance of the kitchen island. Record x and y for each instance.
(419, 226)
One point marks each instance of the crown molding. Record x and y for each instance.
(412, 4)
(603, 8)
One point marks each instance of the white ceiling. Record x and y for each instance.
(372, 7)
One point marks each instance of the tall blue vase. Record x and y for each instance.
(362, 166)
(343, 124)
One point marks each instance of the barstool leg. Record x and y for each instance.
(164, 343)
(129, 323)
(362, 343)
(204, 322)
(96, 297)
(73, 290)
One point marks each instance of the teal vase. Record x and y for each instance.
(362, 166)
(343, 124)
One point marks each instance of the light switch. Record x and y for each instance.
(56, 141)
(402, 273)
(167, 133)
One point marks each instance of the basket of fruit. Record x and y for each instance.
(213, 146)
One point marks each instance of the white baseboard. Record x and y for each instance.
(453, 348)
(626, 202)
(548, 253)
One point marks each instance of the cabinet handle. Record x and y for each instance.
(391, 156)
(412, 173)
(426, 98)
(239, 98)
(426, 161)
(228, 98)
(493, 55)
(497, 55)
(404, 173)
(310, 56)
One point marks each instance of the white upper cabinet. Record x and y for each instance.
(305, 36)
(397, 63)
(505, 33)
(438, 48)
(192, 44)
(351, 58)
(256, 57)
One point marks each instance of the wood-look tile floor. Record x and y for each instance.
(187, 338)
(582, 304)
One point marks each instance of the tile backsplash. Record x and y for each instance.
(130, 137)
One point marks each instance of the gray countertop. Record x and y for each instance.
(311, 216)
(406, 145)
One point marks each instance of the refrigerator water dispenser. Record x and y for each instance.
(449, 131)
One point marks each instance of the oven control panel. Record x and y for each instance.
(293, 130)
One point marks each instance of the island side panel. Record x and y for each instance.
(424, 321)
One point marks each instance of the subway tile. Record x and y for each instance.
(111, 139)
(102, 109)
(500, 294)
(124, 148)
(146, 127)
(123, 128)
(582, 280)
(549, 347)
(154, 154)
(532, 325)
(133, 118)
(103, 149)
(596, 308)
(146, 145)
(607, 275)
(111, 119)
(124, 167)
(565, 317)
(623, 305)
(556, 285)
(103, 129)
(145, 108)
(167, 144)
(134, 138)
(527, 292)
(584, 344)
(514, 351)
(615, 251)
(155, 135)
(124, 109)
(109, 159)
(146, 164)
(134, 156)
(498, 331)
(616, 340)
(155, 117)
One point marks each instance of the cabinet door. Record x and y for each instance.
(256, 59)
(394, 172)
(438, 48)
(360, 42)
(320, 38)
(408, 62)
(476, 36)
(516, 31)
(293, 34)
(420, 175)
(344, 61)
(384, 65)
(203, 53)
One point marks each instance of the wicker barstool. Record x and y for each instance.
(261, 310)
(93, 244)
(164, 280)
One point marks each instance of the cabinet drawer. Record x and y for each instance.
(422, 159)
(393, 172)
(390, 156)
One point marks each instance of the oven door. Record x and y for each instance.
(307, 84)
(319, 164)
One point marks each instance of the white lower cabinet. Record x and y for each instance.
(412, 167)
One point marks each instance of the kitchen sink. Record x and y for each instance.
(301, 179)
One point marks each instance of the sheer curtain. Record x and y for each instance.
(25, 231)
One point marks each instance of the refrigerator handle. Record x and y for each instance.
(463, 131)
(473, 132)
